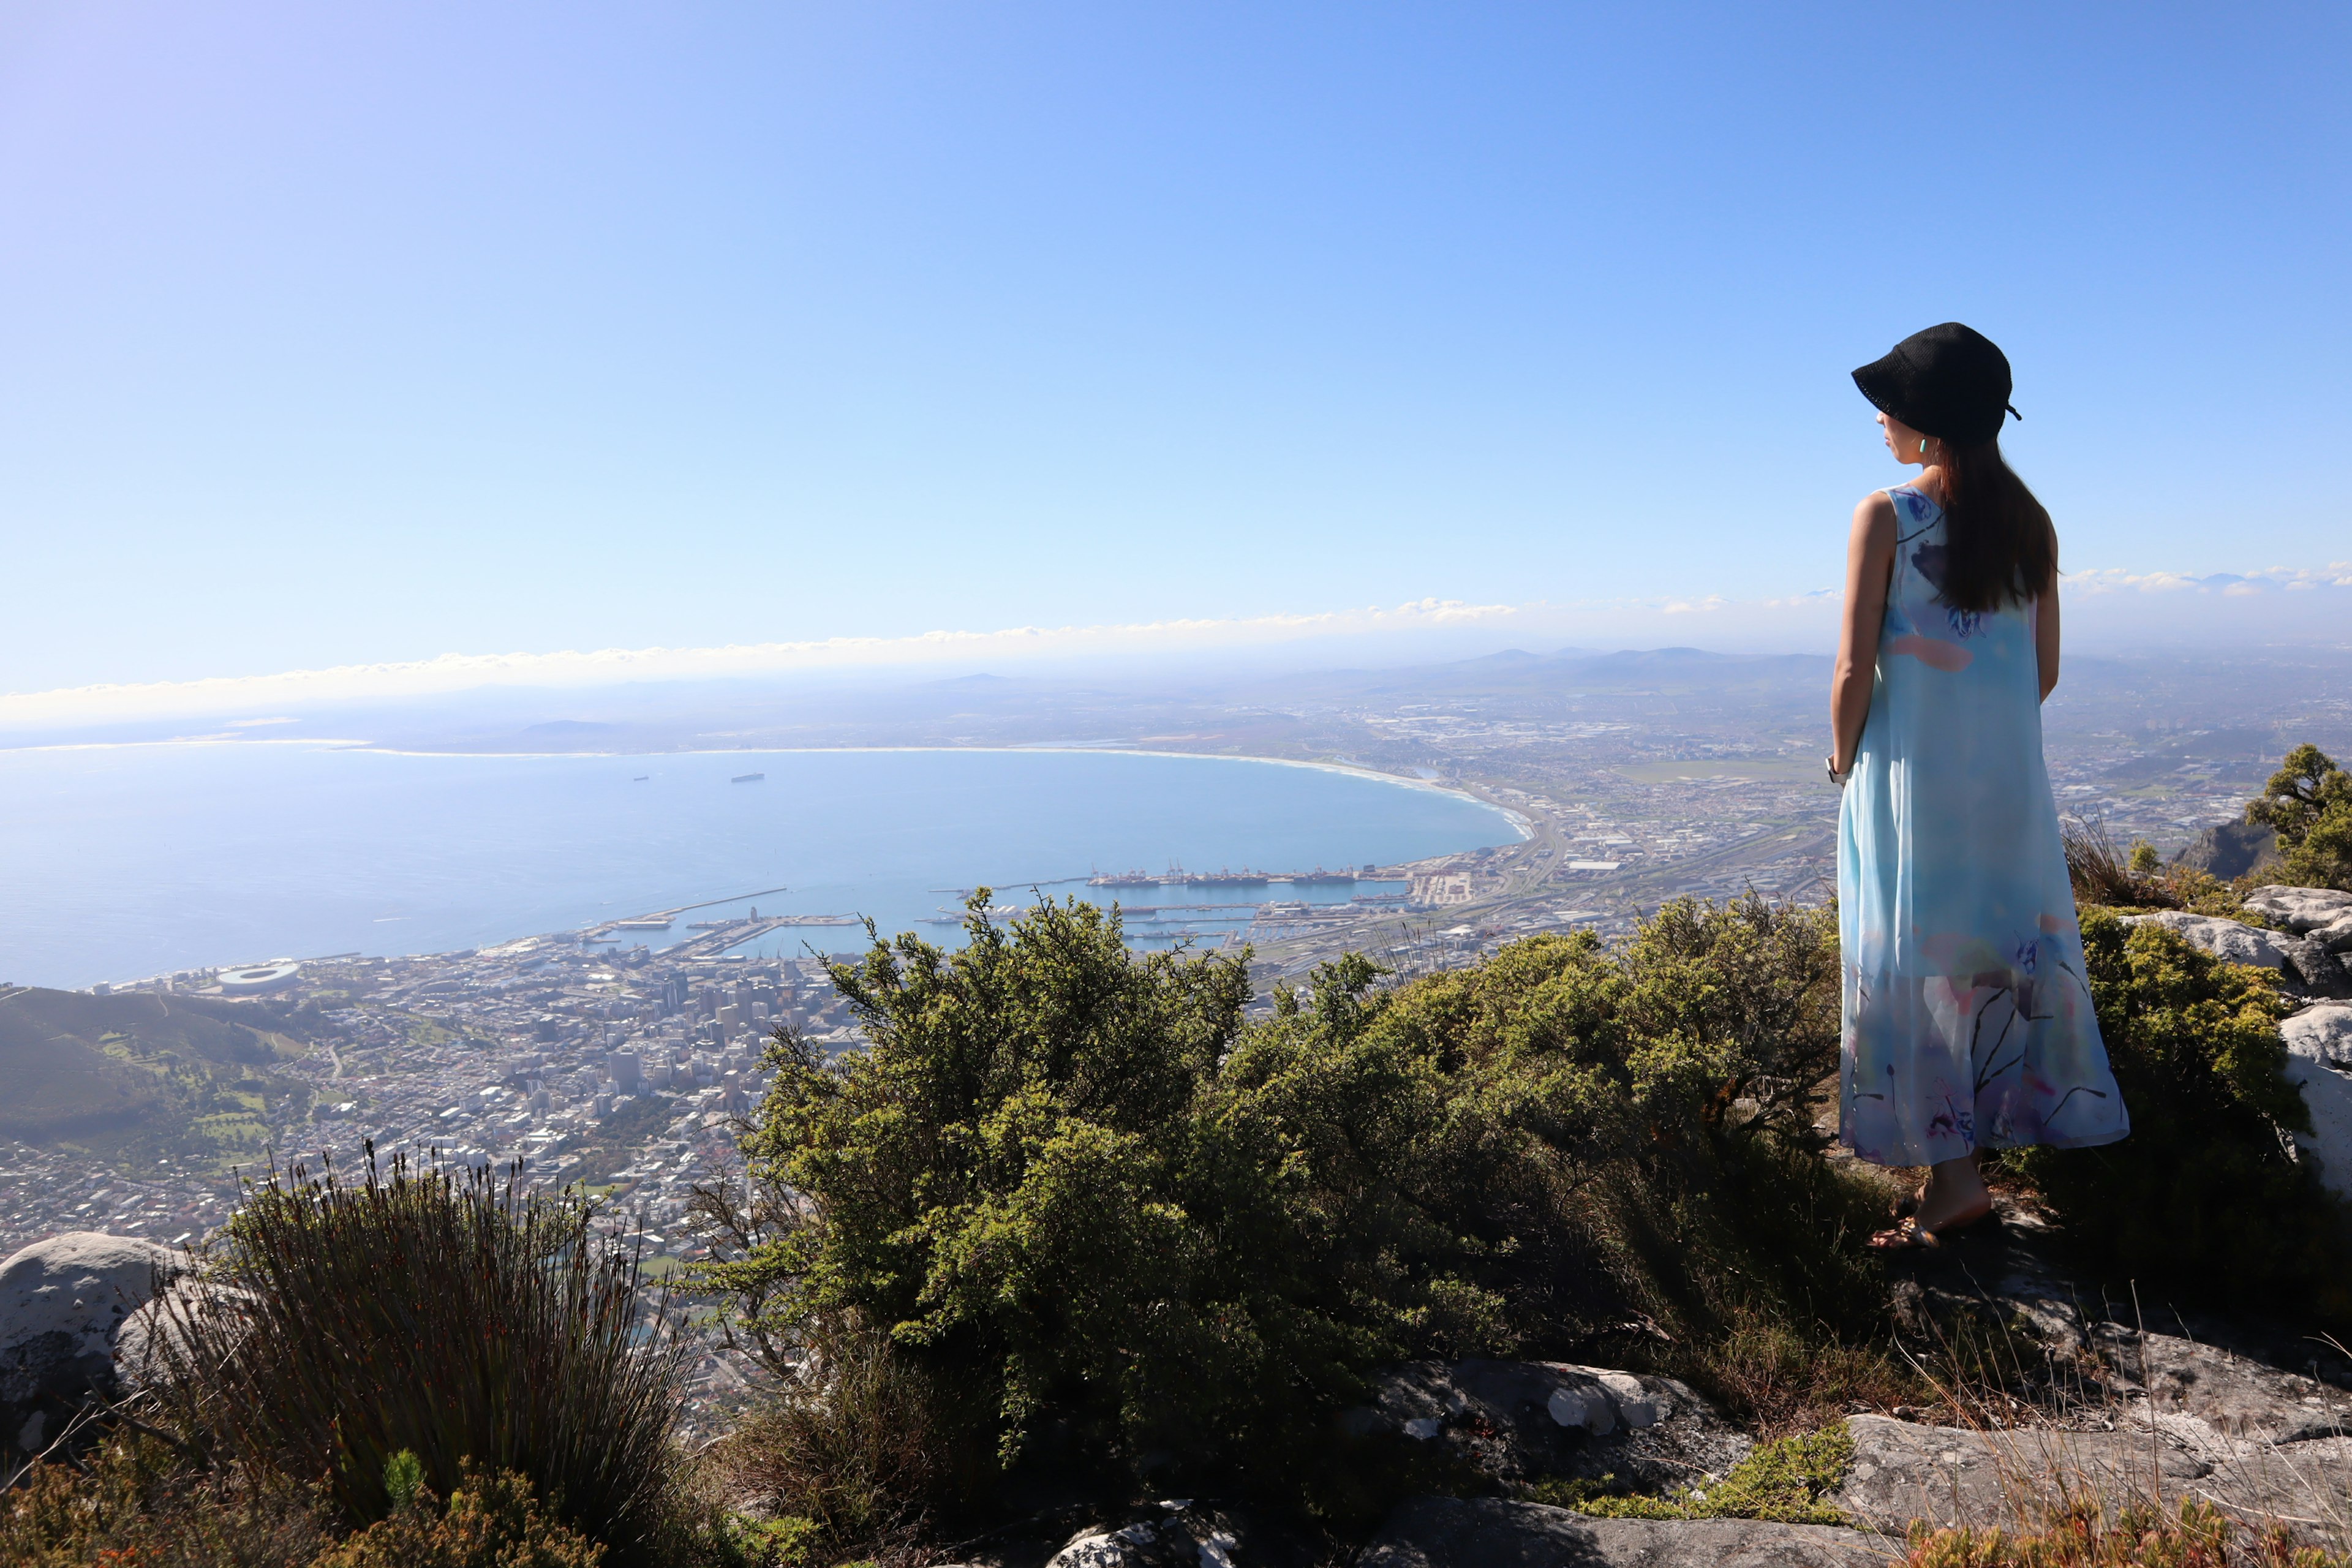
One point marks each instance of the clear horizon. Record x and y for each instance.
(343, 339)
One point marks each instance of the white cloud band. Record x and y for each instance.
(2321, 599)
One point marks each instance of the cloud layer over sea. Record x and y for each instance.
(2106, 608)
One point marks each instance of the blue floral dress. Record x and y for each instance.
(1967, 1018)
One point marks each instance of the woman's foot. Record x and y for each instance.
(1954, 1198)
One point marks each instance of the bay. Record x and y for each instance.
(118, 862)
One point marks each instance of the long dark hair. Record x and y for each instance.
(1998, 546)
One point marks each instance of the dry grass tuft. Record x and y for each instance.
(2198, 1535)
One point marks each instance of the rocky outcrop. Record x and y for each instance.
(1960, 1476)
(63, 1304)
(2321, 913)
(2231, 849)
(1521, 1421)
(2230, 940)
(2255, 1418)
(1489, 1532)
(2304, 963)
(2319, 1063)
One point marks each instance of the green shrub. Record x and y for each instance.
(1064, 1179)
(1787, 1480)
(2309, 802)
(457, 1320)
(2205, 1194)
(491, 1521)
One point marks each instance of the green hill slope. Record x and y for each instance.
(142, 1075)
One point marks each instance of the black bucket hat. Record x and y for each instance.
(1950, 381)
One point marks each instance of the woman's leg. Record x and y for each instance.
(1955, 1194)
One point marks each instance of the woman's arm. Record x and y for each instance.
(2045, 635)
(1869, 562)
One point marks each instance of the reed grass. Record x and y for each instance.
(456, 1317)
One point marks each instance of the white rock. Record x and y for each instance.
(2301, 910)
(2335, 937)
(1093, 1548)
(2319, 1063)
(2225, 940)
(1424, 1427)
(151, 1337)
(1634, 1405)
(63, 1302)
(1580, 1407)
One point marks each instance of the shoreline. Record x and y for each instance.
(1519, 824)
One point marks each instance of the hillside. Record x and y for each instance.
(145, 1075)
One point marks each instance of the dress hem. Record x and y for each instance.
(2095, 1141)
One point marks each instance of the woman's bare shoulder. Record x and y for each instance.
(1874, 517)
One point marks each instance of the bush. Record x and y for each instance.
(1787, 1480)
(491, 1521)
(2205, 1194)
(453, 1318)
(843, 1456)
(133, 1502)
(2309, 802)
(1064, 1179)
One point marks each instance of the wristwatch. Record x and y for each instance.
(1829, 765)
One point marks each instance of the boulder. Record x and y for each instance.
(2229, 941)
(2239, 1400)
(2018, 1477)
(1183, 1533)
(144, 1345)
(1962, 1475)
(1519, 1421)
(63, 1303)
(2319, 1064)
(2303, 911)
(1489, 1532)
(2231, 849)
(2321, 973)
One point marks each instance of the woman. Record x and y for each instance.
(1968, 1022)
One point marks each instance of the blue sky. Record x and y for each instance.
(338, 334)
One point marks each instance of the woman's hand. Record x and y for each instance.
(1869, 566)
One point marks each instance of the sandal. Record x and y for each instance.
(1910, 1233)
(1908, 1236)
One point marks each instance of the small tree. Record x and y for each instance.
(2309, 802)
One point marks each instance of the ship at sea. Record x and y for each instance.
(747, 778)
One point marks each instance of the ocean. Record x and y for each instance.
(120, 862)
